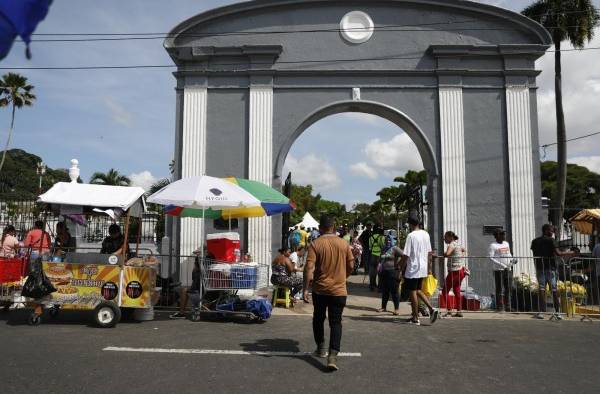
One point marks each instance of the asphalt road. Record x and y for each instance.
(67, 356)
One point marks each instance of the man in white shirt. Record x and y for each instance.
(501, 258)
(416, 265)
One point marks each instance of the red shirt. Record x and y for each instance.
(34, 239)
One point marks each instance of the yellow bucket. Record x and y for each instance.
(567, 305)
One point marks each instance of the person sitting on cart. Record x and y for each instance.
(9, 246)
(113, 244)
(283, 268)
(192, 292)
(38, 240)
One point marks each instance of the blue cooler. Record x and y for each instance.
(244, 276)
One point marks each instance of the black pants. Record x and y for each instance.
(332, 306)
(503, 279)
(389, 285)
(373, 274)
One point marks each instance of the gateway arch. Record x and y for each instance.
(459, 77)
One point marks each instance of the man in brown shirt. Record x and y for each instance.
(329, 263)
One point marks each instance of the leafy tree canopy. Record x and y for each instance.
(583, 186)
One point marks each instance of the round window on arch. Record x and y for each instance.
(356, 27)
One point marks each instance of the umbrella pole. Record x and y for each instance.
(203, 236)
(229, 223)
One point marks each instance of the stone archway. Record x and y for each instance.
(424, 147)
(252, 76)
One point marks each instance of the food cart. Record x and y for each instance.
(102, 283)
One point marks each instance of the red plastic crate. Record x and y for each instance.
(12, 269)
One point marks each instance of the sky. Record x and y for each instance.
(125, 119)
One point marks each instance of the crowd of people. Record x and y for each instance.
(334, 254)
(38, 241)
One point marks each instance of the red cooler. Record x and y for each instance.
(224, 246)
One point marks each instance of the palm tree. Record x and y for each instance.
(572, 20)
(111, 178)
(15, 91)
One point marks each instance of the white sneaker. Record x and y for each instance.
(413, 322)
(538, 316)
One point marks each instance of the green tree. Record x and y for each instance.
(16, 92)
(111, 178)
(572, 20)
(583, 187)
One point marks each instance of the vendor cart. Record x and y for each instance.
(102, 283)
(220, 282)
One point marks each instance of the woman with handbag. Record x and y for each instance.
(390, 278)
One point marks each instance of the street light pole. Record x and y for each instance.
(40, 170)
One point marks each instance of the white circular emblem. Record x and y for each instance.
(356, 27)
(113, 259)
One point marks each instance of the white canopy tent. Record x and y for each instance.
(308, 221)
(73, 196)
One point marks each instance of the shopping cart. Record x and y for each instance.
(12, 278)
(220, 283)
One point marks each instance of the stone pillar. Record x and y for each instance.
(454, 188)
(193, 158)
(520, 159)
(260, 167)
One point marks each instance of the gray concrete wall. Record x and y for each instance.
(487, 179)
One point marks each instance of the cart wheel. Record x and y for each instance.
(107, 315)
(34, 320)
(54, 311)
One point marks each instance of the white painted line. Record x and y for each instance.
(218, 352)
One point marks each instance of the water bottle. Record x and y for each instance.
(237, 254)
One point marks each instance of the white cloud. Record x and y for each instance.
(363, 169)
(398, 154)
(367, 119)
(143, 179)
(118, 112)
(312, 170)
(591, 162)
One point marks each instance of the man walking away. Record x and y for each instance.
(545, 251)
(366, 252)
(499, 252)
(416, 264)
(328, 265)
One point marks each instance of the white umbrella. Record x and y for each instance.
(203, 192)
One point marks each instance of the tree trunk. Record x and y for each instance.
(10, 132)
(561, 140)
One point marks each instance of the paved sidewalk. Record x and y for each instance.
(364, 303)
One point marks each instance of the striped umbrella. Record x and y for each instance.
(272, 202)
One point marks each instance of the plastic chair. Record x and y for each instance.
(281, 295)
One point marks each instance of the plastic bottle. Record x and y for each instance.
(237, 254)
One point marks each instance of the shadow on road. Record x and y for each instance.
(282, 345)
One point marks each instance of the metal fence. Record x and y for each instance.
(23, 215)
(541, 286)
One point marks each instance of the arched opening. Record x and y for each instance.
(402, 133)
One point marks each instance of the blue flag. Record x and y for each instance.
(20, 18)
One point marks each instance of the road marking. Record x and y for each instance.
(218, 352)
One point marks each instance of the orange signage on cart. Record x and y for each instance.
(83, 286)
